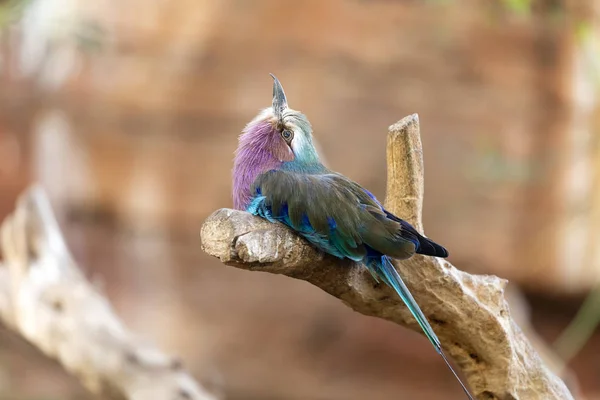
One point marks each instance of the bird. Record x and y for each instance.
(279, 176)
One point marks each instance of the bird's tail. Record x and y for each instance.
(423, 245)
(386, 271)
(428, 247)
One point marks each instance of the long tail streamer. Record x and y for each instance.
(385, 269)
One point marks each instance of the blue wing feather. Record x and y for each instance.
(331, 243)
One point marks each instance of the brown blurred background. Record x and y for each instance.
(128, 112)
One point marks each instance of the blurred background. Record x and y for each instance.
(128, 112)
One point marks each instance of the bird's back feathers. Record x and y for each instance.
(337, 215)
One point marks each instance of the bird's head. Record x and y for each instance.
(285, 132)
(278, 137)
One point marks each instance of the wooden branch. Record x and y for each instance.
(45, 298)
(405, 185)
(468, 312)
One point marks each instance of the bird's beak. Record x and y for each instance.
(279, 100)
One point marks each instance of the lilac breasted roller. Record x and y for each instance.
(277, 175)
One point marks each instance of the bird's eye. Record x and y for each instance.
(287, 135)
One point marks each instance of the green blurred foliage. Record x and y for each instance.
(521, 7)
(10, 10)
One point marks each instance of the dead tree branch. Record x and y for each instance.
(468, 312)
(45, 298)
